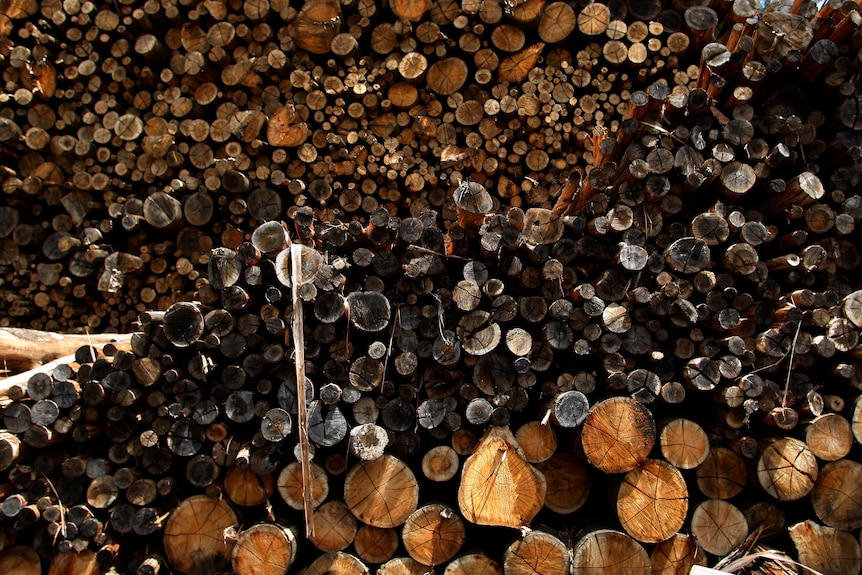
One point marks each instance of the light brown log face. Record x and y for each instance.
(653, 501)
(289, 485)
(194, 535)
(264, 549)
(73, 562)
(684, 443)
(829, 437)
(836, 495)
(722, 474)
(618, 435)
(787, 469)
(336, 562)
(536, 553)
(433, 534)
(719, 526)
(676, 555)
(607, 551)
(473, 564)
(381, 493)
(826, 549)
(334, 527)
(498, 487)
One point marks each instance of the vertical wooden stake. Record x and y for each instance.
(299, 362)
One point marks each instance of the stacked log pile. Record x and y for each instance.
(585, 269)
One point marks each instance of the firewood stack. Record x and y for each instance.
(482, 287)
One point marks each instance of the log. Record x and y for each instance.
(537, 552)
(609, 551)
(381, 493)
(265, 548)
(498, 486)
(652, 501)
(787, 469)
(618, 434)
(26, 349)
(194, 537)
(825, 548)
(433, 534)
(719, 526)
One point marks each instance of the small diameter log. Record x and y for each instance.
(498, 486)
(837, 495)
(826, 549)
(472, 203)
(652, 501)
(538, 442)
(684, 443)
(433, 534)
(608, 552)
(381, 493)
(264, 549)
(719, 526)
(570, 408)
(10, 449)
(440, 463)
(787, 469)
(194, 536)
(367, 441)
(537, 553)
(618, 434)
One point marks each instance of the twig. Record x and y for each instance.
(299, 362)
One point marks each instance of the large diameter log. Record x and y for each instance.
(77, 563)
(608, 552)
(787, 469)
(684, 443)
(20, 560)
(264, 549)
(537, 553)
(498, 486)
(837, 495)
(676, 555)
(618, 434)
(719, 526)
(381, 493)
(433, 534)
(336, 562)
(652, 501)
(826, 549)
(194, 536)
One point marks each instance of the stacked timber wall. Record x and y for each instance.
(569, 286)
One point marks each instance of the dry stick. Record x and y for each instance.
(299, 362)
